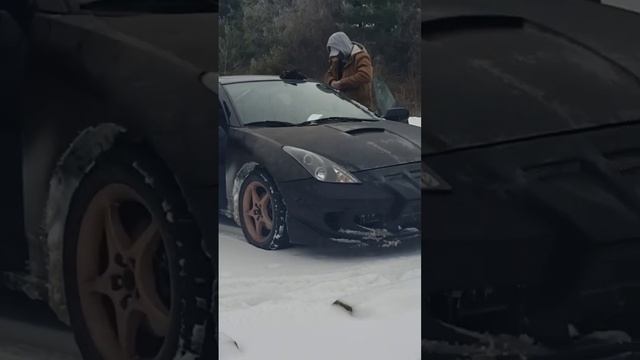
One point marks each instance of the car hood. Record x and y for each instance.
(355, 145)
(522, 69)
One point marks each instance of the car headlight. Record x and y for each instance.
(431, 181)
(320, 167)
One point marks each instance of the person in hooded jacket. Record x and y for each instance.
(350, 69)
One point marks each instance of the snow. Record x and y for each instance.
(415, 120)
(487, 346)
(280, 304)
(609, 337)
(22, 351)
(21, 340)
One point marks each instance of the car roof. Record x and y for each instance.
(233, 79)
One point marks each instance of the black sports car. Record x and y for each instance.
(304, 164)
(531, 152)
(109, 178)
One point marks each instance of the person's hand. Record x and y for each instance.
(336, 84)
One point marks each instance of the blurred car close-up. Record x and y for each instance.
(531, 176)
(109, 172)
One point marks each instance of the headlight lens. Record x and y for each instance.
(321, 168)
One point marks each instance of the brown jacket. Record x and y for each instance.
(357, 75)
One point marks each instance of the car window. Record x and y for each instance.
(383, 95)
(294, 103)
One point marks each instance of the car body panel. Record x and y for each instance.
(604, 31)
(383, 210)
(593, 83)
(370, 145)
(119, 79)
(534, 125)
(88, 71)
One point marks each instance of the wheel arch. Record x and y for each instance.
(234, 192)
(79, 158)
(74, 163)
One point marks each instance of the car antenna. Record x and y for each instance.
(294, 74)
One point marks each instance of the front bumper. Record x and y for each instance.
(384, 209)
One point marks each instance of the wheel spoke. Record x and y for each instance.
(264, 208)
(268, 223)
(146, 242)
(128, 321)
(117, 238)
(157, 315)
(102, 284)
(260, 226)
(149, 301)
(264, 202)
(255, 198)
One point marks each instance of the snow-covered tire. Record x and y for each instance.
(262, 212)
(128, 184)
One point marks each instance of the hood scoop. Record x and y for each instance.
(364, 131)
(356, 128)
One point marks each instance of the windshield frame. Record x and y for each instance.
(238, 122)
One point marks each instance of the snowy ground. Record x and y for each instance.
(278, 304)
(28, 330)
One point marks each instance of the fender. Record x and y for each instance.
(70, 170)
(155, 94)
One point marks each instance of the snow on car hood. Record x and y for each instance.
(355, 145)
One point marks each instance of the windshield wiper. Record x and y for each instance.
(270, 123)
(333, 119)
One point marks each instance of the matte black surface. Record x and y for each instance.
(531, 115)
(88, 70)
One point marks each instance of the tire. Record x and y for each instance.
(150, 297)
(263, 214)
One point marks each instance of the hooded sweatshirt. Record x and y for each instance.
(340, 45)
(351, 64)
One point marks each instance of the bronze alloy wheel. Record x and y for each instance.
(258, 213)
(263, 213)
(123, 277)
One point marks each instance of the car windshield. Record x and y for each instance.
(292, 103)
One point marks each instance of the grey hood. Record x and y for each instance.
(341, 42)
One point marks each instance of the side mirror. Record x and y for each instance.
(399, 114)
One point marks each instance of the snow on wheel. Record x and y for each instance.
(262, 212)
(127, 288)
